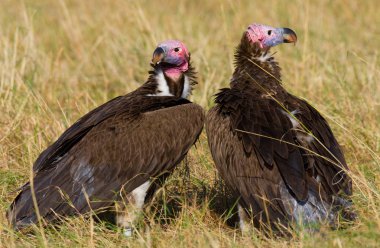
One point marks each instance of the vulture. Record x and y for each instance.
(274, 150)
(117, 155)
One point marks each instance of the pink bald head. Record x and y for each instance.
(267, 36)
(175, 48)
(172, 56)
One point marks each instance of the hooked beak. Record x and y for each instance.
(158, 55)
(289, 36)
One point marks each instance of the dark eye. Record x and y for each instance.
(177, 49)
(269, 32)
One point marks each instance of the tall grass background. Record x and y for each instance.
(60, 59)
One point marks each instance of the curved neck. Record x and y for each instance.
(255, 64)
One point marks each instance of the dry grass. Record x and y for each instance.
(59, 59)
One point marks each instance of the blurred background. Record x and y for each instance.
(60, 59)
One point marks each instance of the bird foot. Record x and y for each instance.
(128, 232)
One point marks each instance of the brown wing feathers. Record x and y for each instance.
(252, 119)
(335, 177)
(130, 105)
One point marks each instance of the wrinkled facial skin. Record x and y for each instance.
(267, 36)
(171, 54)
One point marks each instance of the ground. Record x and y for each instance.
(60, 59)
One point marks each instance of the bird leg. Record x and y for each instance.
(244, 220)
(128, 213)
